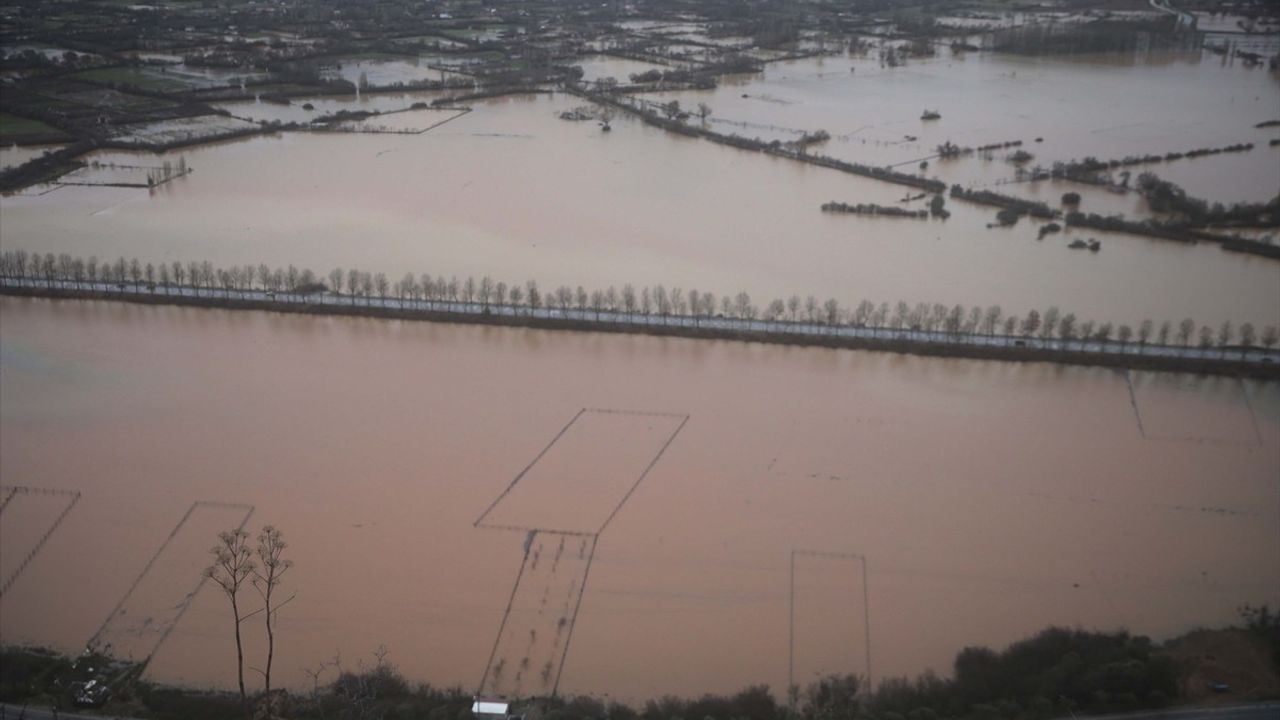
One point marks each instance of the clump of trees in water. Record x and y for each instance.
(1176, 231)
(1192, 218)
(1166, 197)
(874, 209)
(1018, 206)
(998, 146)
(1088, 169)
(656, 306)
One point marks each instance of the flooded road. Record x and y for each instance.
(989, 499)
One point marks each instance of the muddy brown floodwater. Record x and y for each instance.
(513, 192)
(989, 499)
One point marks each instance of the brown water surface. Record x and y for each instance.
(989, 499)
(512, 192)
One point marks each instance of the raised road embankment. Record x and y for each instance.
(1239, 361)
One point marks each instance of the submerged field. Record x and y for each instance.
(989, 499)
(527, 510)
(512, 192)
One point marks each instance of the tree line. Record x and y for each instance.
(657, 304)
(1086, 168)
(1055, 673)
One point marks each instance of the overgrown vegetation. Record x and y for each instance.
(1055, 673)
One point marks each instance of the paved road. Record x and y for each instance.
(638, 319)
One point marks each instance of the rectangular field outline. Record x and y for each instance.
(683, 417)
(9, 492)
(866, 607)
(164, 635)
(515, 588)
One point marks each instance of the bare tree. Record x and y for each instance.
(1030, 323)
(629, 299)
(991, 319)
(353, 284)
(267, 579)
(1269, 337)
(831, 309)
(1104, 333)
(1066, 329)
(1124, 333)
(1185, 329)
(1050, 322)
(1247, 336)
(232, 565)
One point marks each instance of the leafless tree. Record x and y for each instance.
(1206, 337)
(831, 309)
(1270, 336)
(267, 577)
(1124, 333)
(1049, 322)
(1247, 336)
(1030, 323)
(1066, 329)
(1185, 329)
(991, 319)
(232, 565)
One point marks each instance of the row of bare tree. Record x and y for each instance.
(658, 302)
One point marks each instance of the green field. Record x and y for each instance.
(136, 77)
(12, 126)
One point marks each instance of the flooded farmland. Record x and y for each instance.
(513, 192)
(729, 361)
(987, 499)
